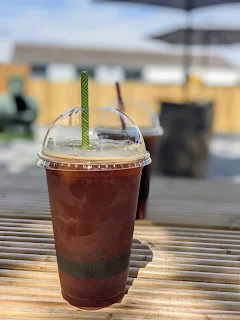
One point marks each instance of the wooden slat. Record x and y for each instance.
(175, 273)
(201, 203)
(176, 202)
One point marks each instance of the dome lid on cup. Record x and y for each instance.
(142, 115)
(115, 142)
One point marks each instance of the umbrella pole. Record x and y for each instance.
(187, 44)
(206, 42)
(187, 62)
(188, 34)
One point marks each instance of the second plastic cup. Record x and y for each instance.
(151, 141)
(93, 197)
(148, 122)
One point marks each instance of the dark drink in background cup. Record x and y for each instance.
(93, 197)
(148, 122)
(151, 144)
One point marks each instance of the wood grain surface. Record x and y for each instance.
(176, 271)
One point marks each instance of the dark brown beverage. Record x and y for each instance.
(93, 214)
(151, 143)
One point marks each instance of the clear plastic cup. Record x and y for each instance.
(93, 195)
(148, 122)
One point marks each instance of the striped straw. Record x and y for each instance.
(85, 109)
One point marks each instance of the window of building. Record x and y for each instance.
(39, 71)
(133, 74)
(89, 70)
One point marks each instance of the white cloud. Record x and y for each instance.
(86, 24)
(81, 23)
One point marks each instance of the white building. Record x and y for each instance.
(65, 63)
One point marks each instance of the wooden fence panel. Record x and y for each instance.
(55, 97)
(39, 90)
(9, 70)
(60, 96)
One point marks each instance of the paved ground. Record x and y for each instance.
(224, 160)
(18, 154)
(225, 157)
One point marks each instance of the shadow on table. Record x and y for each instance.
(141, 255)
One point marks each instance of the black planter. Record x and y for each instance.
(184, 148)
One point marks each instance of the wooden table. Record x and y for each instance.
(175, 272)
(175, 202)
(189, 202)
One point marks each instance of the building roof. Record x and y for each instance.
(32, 54)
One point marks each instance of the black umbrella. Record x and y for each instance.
(187, 5)
(200, 36)
(203, 37)
(177, 4)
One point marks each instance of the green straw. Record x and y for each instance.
(85, 109)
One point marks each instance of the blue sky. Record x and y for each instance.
(82, 23)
